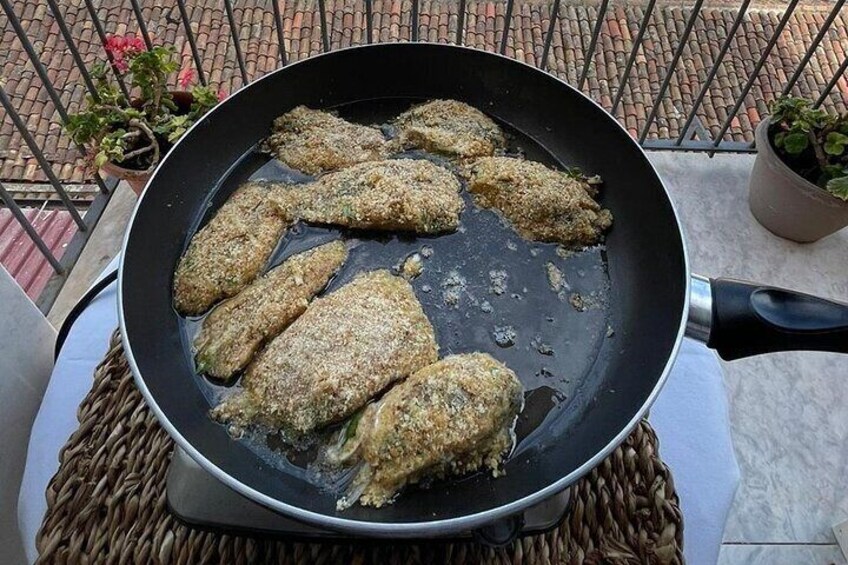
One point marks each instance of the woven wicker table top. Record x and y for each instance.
(107, 503)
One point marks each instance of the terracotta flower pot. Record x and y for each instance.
(135, 178)
(787, 204)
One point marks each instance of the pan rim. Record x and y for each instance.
(433, 528)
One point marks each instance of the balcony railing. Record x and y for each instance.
(694, 78)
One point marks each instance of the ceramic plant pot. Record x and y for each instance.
(787, 204)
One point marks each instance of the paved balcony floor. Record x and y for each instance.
(789, 411)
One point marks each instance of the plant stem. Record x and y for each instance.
(817, 148)
(137, 152)
(139, 124)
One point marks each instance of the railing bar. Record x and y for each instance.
(98, 27)
(731, 34)
(813, 46)
(39, 156)
(550, 35)
(69, 41)
(281, 40)
(747, 88)
(45, 79)
(836, 76)
(368, 24)
(195, 54)
(414, 30)
(697, 145)
(98, 180)
(228, 6)
(700, 130)
(142, 25)
(460, 23)
(510, 4)
(631, 59)
(73, 249)
(325, 39)
(684, 39)
(590, 51)
(27, 226)
(33, 57)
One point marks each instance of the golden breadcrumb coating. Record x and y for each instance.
(228, 252)
(316, 142)
(542, 204)
(396, 194)
(449, 418)
(346, 348)
(233, 332)
(449, 127)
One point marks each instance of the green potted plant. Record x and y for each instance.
(128, 137)
(799, 184)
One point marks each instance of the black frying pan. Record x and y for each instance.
(610, 380)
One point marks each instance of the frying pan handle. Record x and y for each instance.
(740, 319)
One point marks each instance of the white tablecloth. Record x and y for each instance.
(690, 418)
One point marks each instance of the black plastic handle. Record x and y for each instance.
(750, 319)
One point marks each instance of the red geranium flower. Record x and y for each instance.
(186, 77)
(120, 48)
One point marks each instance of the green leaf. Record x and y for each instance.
(176, 134)
(796, 143)
(352, 426)
(839, 187)
(835, 144)
(101, 159)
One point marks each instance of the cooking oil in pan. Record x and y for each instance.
(540, 309)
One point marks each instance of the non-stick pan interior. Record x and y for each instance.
(606, 360)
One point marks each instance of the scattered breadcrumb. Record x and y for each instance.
(556, 280)
(412, 267)
(504, 336)
(497, 281)
(453, 285)
(577, 302)
(541, 346)
(563, 252)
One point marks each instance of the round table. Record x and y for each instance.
(689, 416)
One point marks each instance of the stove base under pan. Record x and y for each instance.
(200, 500)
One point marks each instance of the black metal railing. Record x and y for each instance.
(695, 134)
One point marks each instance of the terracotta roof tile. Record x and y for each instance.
(484, 22)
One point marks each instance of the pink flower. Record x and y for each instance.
(134, 45)
(186, 77)
(120, 64)
(120, 48)
(222, 95)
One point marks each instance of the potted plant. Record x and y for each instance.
(799, 184)
(128, 137)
